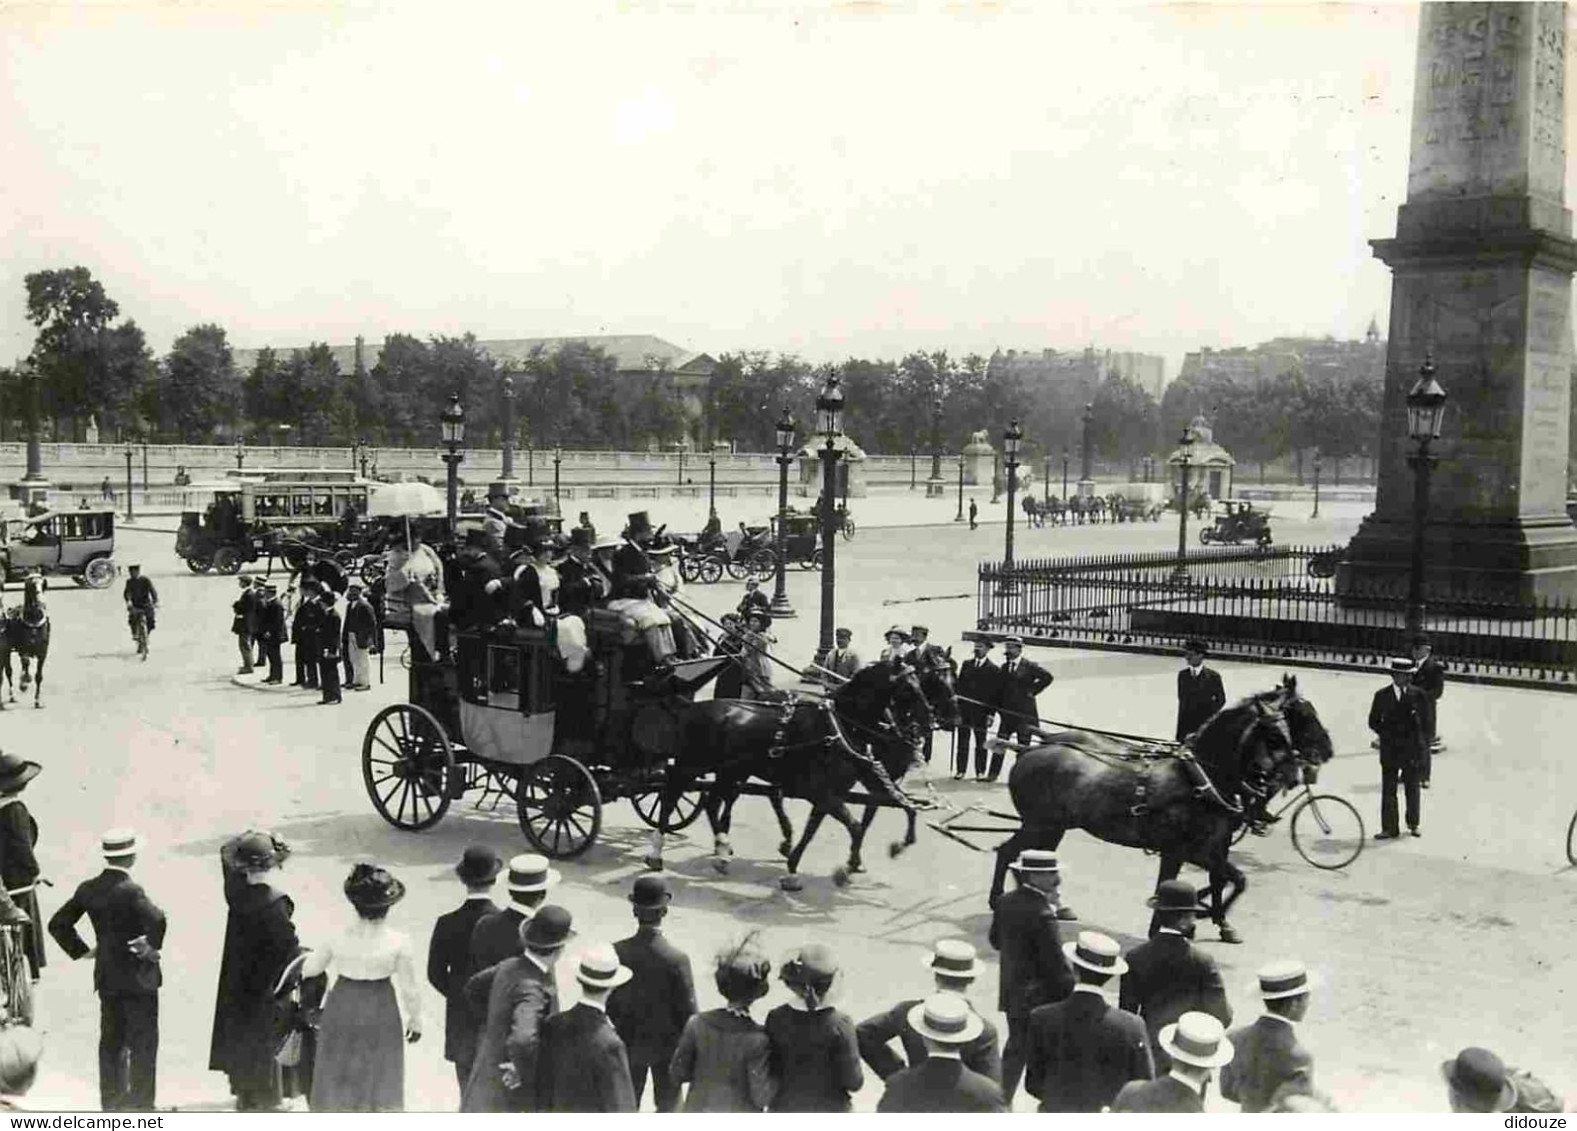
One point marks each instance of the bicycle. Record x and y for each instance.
(1571, 841)
(139, 631)
(16, 978)
(1332, 836)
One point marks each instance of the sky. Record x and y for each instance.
(831, 180)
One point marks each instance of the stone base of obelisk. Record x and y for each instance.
(1519, 562)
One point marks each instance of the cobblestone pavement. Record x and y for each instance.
(1424, 946)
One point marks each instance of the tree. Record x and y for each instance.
(83, 365)
(198, 388)
(1125, 420)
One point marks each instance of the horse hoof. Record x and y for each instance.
(791, 883)
(654, 863)
(895, 848)
(720, 865)
(1229, 935)
(841, 877)
(784, 848)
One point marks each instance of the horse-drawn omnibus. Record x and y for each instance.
(79, 544)
(273, 512)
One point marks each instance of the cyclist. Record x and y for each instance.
(140, 596)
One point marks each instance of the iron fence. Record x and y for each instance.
(1274, 605)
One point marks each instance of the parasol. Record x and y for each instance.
(404, 500)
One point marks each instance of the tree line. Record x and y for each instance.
(88, 362)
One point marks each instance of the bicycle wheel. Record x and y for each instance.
(1571, 841)
(848, 530)
(1327, 831)
(18, 978)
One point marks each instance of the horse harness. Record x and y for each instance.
(835, 739)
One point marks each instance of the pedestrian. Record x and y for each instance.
(496, 935)
(753, 599)
(329, 629)
(256, 623)
(978, 688)
(271, 633)
(1429, 677)
(585, 523)
(1081, 1051)
(898, 646)
(1034, 971)
(18, 866)
(813, 1044)
(259, 943)
(21, 1048)
(1199, 691)
(361, 630)
(1195, 1045)
(1398, 715)
(974, 515)
(584, 1066)
(724, 1054)
(925, 656)
(1167, 975)
(1021, 681)
(128, 933)
(652, 1010)
(104, 489)
(954, 967)
(244, 616)
(515, 997)
(449, 964)
(1479, 1081)
(941, 1082)
(1267, 1055)
(304, 634)
(843, 661)
(730, 682)
(373, 1009)
(755, 657)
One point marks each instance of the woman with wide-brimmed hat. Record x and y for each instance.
(18, 868)
(361, 1053)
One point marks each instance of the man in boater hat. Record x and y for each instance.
(1196, 1046)
(1268, 1056)
(584, 1065)
(496, 936)
(954, 966)
(941, 1083)
(1399, 717)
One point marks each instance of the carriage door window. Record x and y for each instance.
(503, 676)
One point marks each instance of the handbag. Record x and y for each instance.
(288, 1053)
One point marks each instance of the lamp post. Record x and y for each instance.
(558, 458)
(1180, 570)
(711, 485)
(1065, 475)
(145, 468)
(508, 471)
(1086, 454)
(996, 478)
(1316, 512)
(959, 517)
(452, 430)
(934, 485)
(131, 513)
(1045, 484)
(684, 446)
(240, 453)
(1426, 412)
(829, 421)
(1010, 443)
(914, 466)
(785, 437)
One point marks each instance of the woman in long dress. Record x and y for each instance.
(361, 1039)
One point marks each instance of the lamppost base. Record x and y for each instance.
(781, 608)
(935, 488)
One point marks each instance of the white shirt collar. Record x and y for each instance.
(1170, 931)
(943, 1054)
(1087, 988)
(1195, 1086)
(117, 868)
(797, 1002)
(479, 897)
(1396, 689)
(540, 964)
(1278, 1017)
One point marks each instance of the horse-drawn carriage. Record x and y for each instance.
(1240, 523)
(78, 544)
(801, 538)
(739, 553)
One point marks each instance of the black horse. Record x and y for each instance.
(25, 631)
(863, 735)
(1123, 795)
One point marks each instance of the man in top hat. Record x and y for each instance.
(531, 591)
(1167, 975)
(941, 1082)
(243, 623)
(271, 633)
(140, 595)
(1268, 1056)
(1429, 676)
(1199, 691)
(18, 867)
(304, 633)
(449, 964)
(471, 600)
(1196, 1045)
(361, 633)
(636, 591)
(1398, 715)
(516, 996)
(954, 967)
(1034, 970)
(650, 1012)
(496, 935)
(584, 521)
(329, 631)
(584, 1066)
(1022, 680)
(978, 688)
(128, 932)
(1081, 1051)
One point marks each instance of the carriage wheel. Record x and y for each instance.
(811, 560)
(408, 765)
(710, 571)
(1327, 831)
(689, 570)
(1205, 534)
(98, 573)
(199, 565)
(763, 564)
(848, 530)
(1322, 566)
(371, 571)
(738, 570)
(687, 808)
(226, 560)
(1571, 841)
(560, 807)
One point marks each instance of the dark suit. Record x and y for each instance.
(1430, 678)
(875, 1036)
(304, 632)
(1265, 1055)
(979, 680)
(940, 1084)
(496, 936)
(1163, 1095)
(516, 997)
(1033, 970)
(1198, 697)
(1022, 680)
(271, 634)
(1400, 721)
(650, 1010)
(328, 634)
(1167, 977)
(128, 986)
(449, 967)
(1081, 1052)
(632, 572)
(581, 585)
(583, 1066)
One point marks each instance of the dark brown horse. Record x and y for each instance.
(1126, 795)
(25, 631)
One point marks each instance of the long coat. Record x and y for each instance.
(449, 967)
(1198, 697)
(980, 680)
(515, 997)
(361, 623)
(583, 1066)
(19, 870)
(328, 633)
(1034, 971)
(120, 911)
(271, 622)
(1168, 977)
(650, 1010)
(1265, 1055)
(496, 936)
(940, 1085)
(875, 1035)
(304, 629)
(1081, 1051)
(260, 941)
(1402, 724)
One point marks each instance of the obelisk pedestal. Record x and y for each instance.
(1482, 265)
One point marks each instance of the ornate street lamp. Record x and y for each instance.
(1180, 570)
(1426, 412)
(1086, 454)
(1064, 475)
(934, 484)
(829, 422)
(131, 513)
(452, 430)
(1316, 512)
(1010, 443)
(240, 453)
(558, 458)
(785, 436)
(959, 517)
(508, 471)
(711, 485)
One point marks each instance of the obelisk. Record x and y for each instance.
(1482, 265)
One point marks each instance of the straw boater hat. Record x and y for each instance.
(15, 772)
(1197, 1039)
(529, 872)
(1479, 1080)
(1035, 860)
(946, 1018)
(1095, 951)
(117, 844)
(1402, 664)
(600, 969)
(953, 958)
(1284, 979)
(914, 628)
(478, 865)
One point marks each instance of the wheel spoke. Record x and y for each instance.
(383, 799)
(398, 753)
(405, 794)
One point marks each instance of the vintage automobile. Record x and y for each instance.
(78, 544)
(1240, 523)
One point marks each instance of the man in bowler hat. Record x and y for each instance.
(1021, 681)
(1167, 975)
(649, 1011)
(329, 631)
(1429, 676)
(1034, 971)
(449, 964)
(1199, 691)
(1398, 715)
